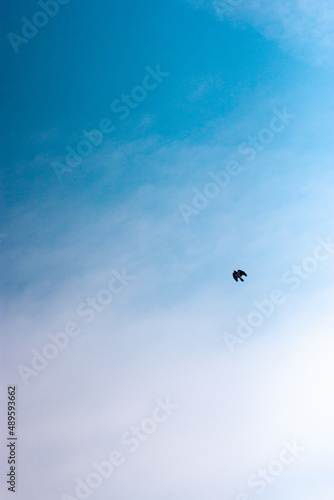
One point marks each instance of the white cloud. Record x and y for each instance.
(164, 335)
(304, 28)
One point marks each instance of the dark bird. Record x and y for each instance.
(238, 275)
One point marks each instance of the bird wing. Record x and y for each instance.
(235, 276)
(242, 273)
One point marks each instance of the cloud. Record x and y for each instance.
(164, 335)
(302, 27)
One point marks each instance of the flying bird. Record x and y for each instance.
(238, 275)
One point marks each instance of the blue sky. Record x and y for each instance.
(258, 78)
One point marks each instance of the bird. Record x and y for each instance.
(239, 274)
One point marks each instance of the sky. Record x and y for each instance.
(148, 150)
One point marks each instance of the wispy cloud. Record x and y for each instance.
(165, 336)
(304, 28)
